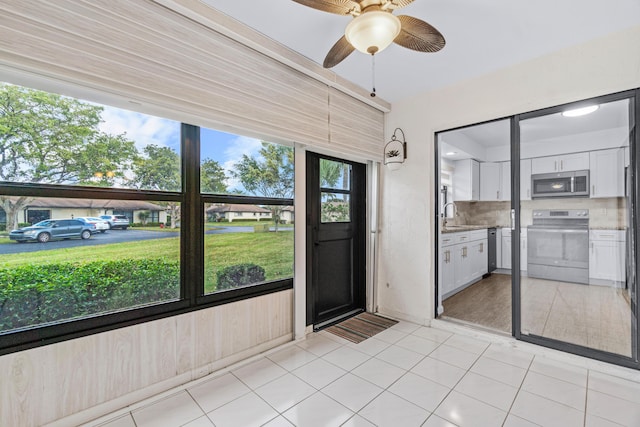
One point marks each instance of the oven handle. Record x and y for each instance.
(553, 230)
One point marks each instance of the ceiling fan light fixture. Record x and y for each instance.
(372, 32)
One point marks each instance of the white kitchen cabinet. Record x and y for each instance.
(523, 249)
(463, 260)
(466, 180)
(525, 179)
(505, 181)
(490, 181)
(562, 163)
(506, 249)
(607, 173)
(607, 256)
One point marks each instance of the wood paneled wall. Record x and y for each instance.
(78, 379)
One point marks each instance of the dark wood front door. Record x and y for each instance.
(336, 213)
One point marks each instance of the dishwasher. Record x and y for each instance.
(491, 252)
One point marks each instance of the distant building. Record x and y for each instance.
(230, 212)
(49, 208)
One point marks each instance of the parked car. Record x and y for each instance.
(116, 221)
(49, 229)
(101, 225)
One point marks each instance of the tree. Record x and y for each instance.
(212, 177)
(49, 138)
(143, 216)
(159, 169)
(270, 175)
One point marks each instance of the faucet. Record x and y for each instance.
(444, 213)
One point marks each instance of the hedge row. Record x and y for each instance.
(37, 294)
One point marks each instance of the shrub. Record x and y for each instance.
(3, 227)
(36, 294)
(235, 276)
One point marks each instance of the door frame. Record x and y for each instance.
(633, 222)
(360, 188)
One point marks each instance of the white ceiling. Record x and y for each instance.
(482, 36)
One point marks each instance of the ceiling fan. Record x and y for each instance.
(374, 27)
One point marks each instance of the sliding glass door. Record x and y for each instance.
(573, 234)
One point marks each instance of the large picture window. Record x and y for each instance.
(100, 209)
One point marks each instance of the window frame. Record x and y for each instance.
(193, 219)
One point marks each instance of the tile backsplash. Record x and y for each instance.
(603, 213)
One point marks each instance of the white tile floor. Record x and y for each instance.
(409, 376)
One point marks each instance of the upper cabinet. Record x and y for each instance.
(495, 181)
(562, 163)
(607, 173)
(466, 180)
(525, 179)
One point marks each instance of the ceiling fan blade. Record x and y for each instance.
(397, 4)
(417, 35)
(340, 7)
(338, 52)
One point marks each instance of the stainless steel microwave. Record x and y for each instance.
(560, 184)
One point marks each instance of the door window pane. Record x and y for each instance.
(335, 175)
(573, 241)
(335, 207)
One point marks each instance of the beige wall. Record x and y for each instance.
(406, 256)
(113, 369)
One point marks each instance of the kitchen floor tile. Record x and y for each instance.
(593, 421)
(400, 357)
(380, 373)
(513, 421)
(200, 422)
(406, 327)
(292, 357)
(352, 391)
(440, 372)
(218, 391)
(124, 421)
(318, 411)
(284, 392)
(486, 390)
(390, 336)
(393, 411)
(279, 422)
(172, 411)
(545, 412)
(319, 373)
(465, 411)
(420, 391)
(346, 358)
(259, 372)
(247, 411)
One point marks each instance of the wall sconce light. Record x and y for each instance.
(395, 152)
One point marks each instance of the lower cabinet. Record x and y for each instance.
(607, 257)
(463, 260)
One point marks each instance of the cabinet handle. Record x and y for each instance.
(464, 252)
(528, 193)
(593, 189)
(498, 194)
(555, 165)
(481, 247)
(561, 165)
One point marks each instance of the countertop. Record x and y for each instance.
(458, 228)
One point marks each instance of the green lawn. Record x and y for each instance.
(271, 251)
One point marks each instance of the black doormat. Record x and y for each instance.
(361, 327)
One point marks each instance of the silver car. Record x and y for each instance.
(116, 221)
(100, 224)
(52, 229)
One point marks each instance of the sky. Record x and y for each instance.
(225, 148)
